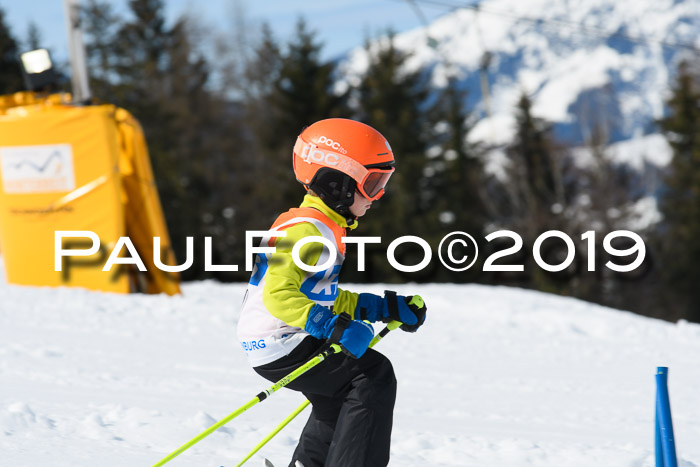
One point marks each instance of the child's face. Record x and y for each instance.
(360, 205)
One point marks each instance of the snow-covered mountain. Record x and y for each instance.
(611, 61)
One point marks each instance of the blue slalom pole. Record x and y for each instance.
(658, 444)
(664, 424)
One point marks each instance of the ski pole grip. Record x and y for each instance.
(394, 325)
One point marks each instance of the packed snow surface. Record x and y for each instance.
(496, 377)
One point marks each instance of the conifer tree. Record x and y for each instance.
(533, 159)
(144, 87)
(535, 187)
(33, 36)
(293, 92)
(100, 25)
(10, 72)
(457, 183)
(393, 100)
(256, 84)
(263, 70)
(304, 91)
(680, 206)
(157, 72)
(455, 179)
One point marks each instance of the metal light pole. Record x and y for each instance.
(78, 62)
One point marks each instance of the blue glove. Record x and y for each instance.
(353, 336)
(409, 310)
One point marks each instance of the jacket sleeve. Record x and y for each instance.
(281, 294)
(345, 302)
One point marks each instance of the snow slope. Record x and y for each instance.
(497, 377)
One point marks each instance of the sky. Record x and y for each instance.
(341, 24)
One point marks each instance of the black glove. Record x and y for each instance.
(416, 305)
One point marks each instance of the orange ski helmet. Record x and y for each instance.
(336, 156)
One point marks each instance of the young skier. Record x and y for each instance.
(289, 314)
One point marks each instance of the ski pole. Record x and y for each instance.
(388, 328)
(333, 349)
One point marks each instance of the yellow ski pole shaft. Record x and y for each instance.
(388, 328)
(382, 334)
(279, 428)
(333, 349)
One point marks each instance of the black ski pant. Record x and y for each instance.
(352, 406)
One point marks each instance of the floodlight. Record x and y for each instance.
(38, 71)
(36, 61)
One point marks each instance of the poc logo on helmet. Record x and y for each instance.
(333, 144)
(316, 155)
